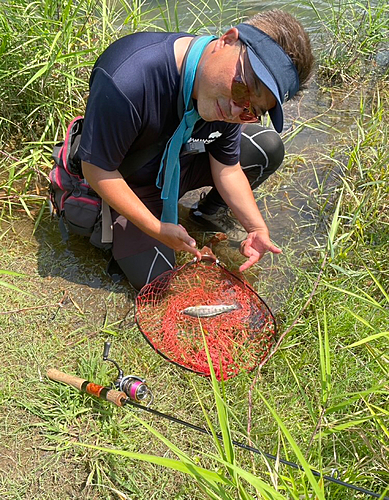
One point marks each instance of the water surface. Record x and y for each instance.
(290, 200)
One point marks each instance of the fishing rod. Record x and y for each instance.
(134, 391)
(128, 388)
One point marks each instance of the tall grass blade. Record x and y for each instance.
(381, 412)
(378, 284)
(350, 398)
(178, 465)
(39, 217)
(228, 454)
(302, 392)
(334, 227)
(368, 339)
(307, 469)
(265, 489)
(12, 273)
(13, 287)
(366, 298)
(359, 318)
(325, 360)
(211, 427)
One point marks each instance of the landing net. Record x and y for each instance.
(170, 314)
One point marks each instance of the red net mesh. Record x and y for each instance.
(237, 339)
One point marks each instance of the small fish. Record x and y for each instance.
(209, 311)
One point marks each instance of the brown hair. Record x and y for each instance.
(291, 36)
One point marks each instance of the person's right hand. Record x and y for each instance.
(176, 237)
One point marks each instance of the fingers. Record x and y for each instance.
(189, 241)
(242, 247)
(190, 244)
(255, 250)
(248, 245)
(249, 262)
(191, 248)
(274, 249)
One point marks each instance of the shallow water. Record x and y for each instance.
(232, 11)
(290, 200)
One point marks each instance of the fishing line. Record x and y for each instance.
(256, 450)
(132, 390)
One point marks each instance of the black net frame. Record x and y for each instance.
(164, 287)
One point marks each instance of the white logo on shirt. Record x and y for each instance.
(211, 138)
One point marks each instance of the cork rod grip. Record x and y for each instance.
(72, 380)
(111, 395)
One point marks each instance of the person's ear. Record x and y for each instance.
(230, 37)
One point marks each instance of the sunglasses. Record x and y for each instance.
(240, 93)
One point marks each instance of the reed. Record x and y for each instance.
(354, 34)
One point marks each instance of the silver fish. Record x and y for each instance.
(209, 311)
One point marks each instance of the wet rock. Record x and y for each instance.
(382, 58)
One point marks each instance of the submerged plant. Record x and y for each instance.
(355, 31)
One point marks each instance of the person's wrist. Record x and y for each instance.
(258, 229)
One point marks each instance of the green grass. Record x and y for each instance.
(355, 33)
(322, 400)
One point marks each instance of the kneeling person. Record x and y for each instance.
(134, 88)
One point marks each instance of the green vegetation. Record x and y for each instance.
(321, 401)
(356, 33)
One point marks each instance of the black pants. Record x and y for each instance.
(262, 152)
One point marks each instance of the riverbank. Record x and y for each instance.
(327, 383)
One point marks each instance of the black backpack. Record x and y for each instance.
(73, 201)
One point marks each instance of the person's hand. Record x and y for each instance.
(255, 246)
(177, 238)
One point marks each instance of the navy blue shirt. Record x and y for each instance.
(132, 104)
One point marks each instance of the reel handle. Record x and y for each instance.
(113, 396)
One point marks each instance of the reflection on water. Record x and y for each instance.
(302, 10)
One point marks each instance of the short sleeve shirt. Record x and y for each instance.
(134, 88)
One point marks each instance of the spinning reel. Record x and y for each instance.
(134, 387)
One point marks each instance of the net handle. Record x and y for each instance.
(207, 254)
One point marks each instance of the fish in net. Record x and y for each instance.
(199, 298)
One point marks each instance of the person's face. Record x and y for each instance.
(226, 88)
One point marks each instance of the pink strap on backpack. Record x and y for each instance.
(66, 144)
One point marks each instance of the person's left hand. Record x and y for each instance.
(255, 246)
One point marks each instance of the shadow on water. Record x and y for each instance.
(75, 261)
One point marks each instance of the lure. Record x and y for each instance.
(209, 311)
